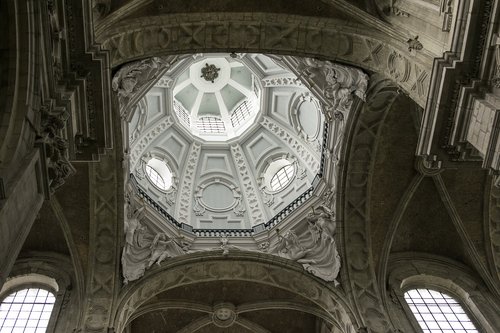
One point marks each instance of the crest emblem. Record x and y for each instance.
(210, 72)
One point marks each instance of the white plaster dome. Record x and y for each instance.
(219, 106)
(232, 154)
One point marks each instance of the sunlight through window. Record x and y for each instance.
(438, 313)
(26, 311)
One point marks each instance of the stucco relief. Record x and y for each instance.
(104, 226)
(186, 189)
(218, 195)
(337, 83)
(129, 80)
(249, 190)
(140, 146)
(242, 267)
(289, 139)
(254, 32)
(494, 228)
(359, 268)
(56, 147)
(315, 249)
(143, 248)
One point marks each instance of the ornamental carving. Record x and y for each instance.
(56, 148)
(210, 72)
(134, 38)
(130, 80)
(249, 188)
(337, 83)
(314, 248)
(143, 248)
(414, 44)
(495, 80)
(218, 195)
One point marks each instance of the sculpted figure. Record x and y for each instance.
(225, 247)
(322, 223)
(289, 247)
(132, 220)
(337, 82)
(164, 247)
(131, 77)
(315, 247)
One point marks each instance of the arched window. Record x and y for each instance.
(26, 310)
(437, 312)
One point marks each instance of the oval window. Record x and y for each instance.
(282, 177)
(159, 174)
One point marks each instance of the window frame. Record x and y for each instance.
(410, 270)
(34, 280)
(168, 166)
(411, 315)
(34, 285)
(288, 180)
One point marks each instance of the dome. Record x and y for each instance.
(238, 138)
(216, 98)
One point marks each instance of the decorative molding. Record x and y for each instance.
(315, 141)
(360, 271)
(200, 205)
(292, 142)
(54, 146)
(495, 78)
(132, 80)
(334, 84)
(244, 266)
(249, 189)
(277, 33)
(105, 223)
(186, 189)
(139, 147)
(315, 249)
(494, 229)
(281, 81)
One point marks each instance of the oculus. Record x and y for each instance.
(279, 174)
(159, 174)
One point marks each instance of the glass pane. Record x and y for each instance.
(437, 312)
(22, 310)
(282, 178)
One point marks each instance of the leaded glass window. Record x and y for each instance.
(27, 311)
(282, 178)
(438, 313)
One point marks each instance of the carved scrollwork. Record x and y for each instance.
(337, 83)
(224, 187)
(129, 80)
(495, 80)
(314, 248)
(143, 248)
(56, 148)
(414, 44)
